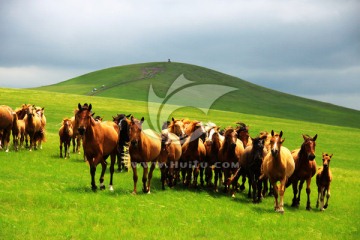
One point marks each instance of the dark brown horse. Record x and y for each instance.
(278, 166)
(6, 124)
(65, 134)
(99, 142)
(229, 155)
(123, 122)
(145, 147)
(193, 154)
(305, 169)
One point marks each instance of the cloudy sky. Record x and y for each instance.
(307, 48)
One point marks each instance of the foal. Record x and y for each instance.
(65, 134)
(323, 180)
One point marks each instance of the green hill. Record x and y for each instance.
(133, 82)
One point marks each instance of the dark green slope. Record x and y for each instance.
(133, 81)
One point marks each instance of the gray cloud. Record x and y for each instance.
(305, 48)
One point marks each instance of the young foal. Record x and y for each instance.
(323, 180)
(278, 165)
(33, 127)
(65, 134)
(305, 169)
(99, 141)
(144, 148)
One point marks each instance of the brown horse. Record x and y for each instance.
(65, 134)
(145, 147)
(323, 180)
(169, 158)
(193, 154)
(213, 144)
(21, 113)
(229, 155)
(99, 141)
(6, 124)
(177, 127)
(278, 165)
(76, 138)
(33, 127)
(305, 169)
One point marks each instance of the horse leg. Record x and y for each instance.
(92, 173)
(308, 191)
(73, 143)
(163, 176)
(318, 198)
(112, 169)
(276, 194)
(68, 148)
(322, 196)
(217, 172)
(295, 191)
(61, 149)
(120, 160)
(152, 167)
(251, 184)
(103, 169)
(299, 193)
(144, 178)
(259, 187)
(135, 176)
(282, 191)
(327, 197)
(202, 168)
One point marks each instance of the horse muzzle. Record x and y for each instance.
(81, 131)
(134, 143)
(311, 157)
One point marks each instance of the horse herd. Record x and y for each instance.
(186, 151)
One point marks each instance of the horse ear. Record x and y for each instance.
(281, 133)
(128, 115)
(142, 120)
(132, 118)
(315, 137)
(173, 119)
(79, 106)
(331, 155)
(272, 133)
(90, 106)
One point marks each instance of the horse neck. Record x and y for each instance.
(194, 141)
(90, 130)
(302, 154)
(325, 172)
(215, 145)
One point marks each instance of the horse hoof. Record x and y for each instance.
(308, 208)
(102, 187)
(94, 188)
(111, 188)
(133, 193)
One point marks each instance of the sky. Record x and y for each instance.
(306, 48)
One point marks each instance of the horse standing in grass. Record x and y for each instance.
(99, 142)
(243, 135)
(6, 124)
(193, 154)
(16, 131)
(145, 147)
(229, 155)
(65, 134)
(252, 160)
(278, 165)
(21, 113)
(305, 169)
(213, 144)
(123, 122)
(323, 180)
(169, 158)
(33, 127)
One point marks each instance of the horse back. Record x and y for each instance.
(6, 117)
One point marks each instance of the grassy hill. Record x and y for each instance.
(133, 82)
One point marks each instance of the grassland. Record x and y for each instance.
(45, 197)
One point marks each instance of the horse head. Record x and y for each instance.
(177, 127)
(83, 117)
(67, 125)
(275, 143)
(135, 129)
(230, 136)
(243, 133)
(258, 145)
(326, 159)
(308, 146)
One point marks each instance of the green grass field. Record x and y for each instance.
(45, 197)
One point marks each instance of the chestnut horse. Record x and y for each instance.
(305, 169)
(213, 144)
(323, 180)
(278, 165)
(193, 153)
(65, 134)
(229, 155)
(169, 158)
(33, 127)
(145, 147)
(6, 124)
(178, 128)
(99, 141)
